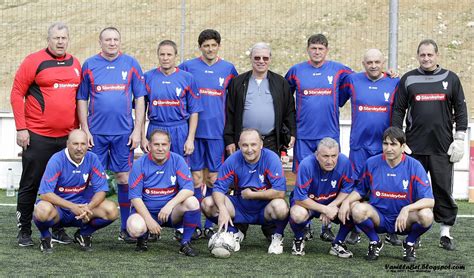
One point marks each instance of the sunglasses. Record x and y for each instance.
(258, 58)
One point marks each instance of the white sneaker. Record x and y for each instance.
(238, 237)
(276, 247)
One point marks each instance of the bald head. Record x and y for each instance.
(374, 63)
(77, 133)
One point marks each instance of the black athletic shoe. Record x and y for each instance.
(59, 235)
(409, 254)
(393, 239)
(46, 245)
(125, 237)
(353, 238)
(84, 241)
(24, 239)
(187, 250)
(327, 235)
(178, 235)
(208, 233)
(153, 237)
(196, 234)
(268, 229)
(447, 243)
(308, 232)
(142, 245)
(418, 243)
(374, 250)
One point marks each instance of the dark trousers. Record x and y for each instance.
(269, 142)
(34, 160)
(441, 173)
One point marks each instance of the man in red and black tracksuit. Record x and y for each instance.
(435, 100)
(43, 99)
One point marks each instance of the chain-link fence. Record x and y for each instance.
(351, 26)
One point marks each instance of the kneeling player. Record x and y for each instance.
(324, 180)
(72, 193)
(161, 192)
(400, 197)
(259, 187)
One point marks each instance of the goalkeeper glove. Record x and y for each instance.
(456, 149)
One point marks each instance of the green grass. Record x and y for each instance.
(113, 258)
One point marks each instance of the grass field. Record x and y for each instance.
(113, 258)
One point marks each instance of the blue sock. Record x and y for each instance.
(208, 224)
(190, 221)
(124, 204)
(198, 195)
(298, 229)
(144, 236)
(344, 230)
(415, 232)
(368, 228)
(280, 225)
(43, 227)
(89, 228)
(328, 226)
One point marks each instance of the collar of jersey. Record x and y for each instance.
(72, 161)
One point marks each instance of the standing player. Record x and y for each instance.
(259, 185)
(435, 100)
(111, 80)
(324, 180)
(161, 191)
(400, 197)
(316, 83)
(371, 94)
(212, 76)
(43, 100)
(173, 101)
(69, 175)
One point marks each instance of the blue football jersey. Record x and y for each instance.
(212, 82)
(110, 87)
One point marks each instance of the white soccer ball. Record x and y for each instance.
(221, 245)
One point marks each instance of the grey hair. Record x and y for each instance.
(260, 45)
(59, 26)
(328, 142)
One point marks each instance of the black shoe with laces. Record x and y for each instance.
(142, 245)
(374, 250)
(60, 236)
(46, 245)
(393, 239)
(298, 247)
(327, 235)
(446, 243)
(153, 237)
(418, 243)
(84, 241)
(24, 239)
(125, 237)
(178, 235)
(187, 250)
(354, 238)
(308, 232)
(208, 233)
(409, 254)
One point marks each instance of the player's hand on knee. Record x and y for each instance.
(325, 219)
(331, 212)
(344, 212)
(165, 213)
(153, 226)
(456, 149)
(401, 222)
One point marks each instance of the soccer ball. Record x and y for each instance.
(221, 245)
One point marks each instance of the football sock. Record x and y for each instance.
(124, 204)
(198, 195)
(208, 223)
(191, 219)
(444, 230)
(416, 231)
(368, 228)
(280, 225)
(43, 227)
(89, 228)
(328, 226)
(298, 229)
(344, 230)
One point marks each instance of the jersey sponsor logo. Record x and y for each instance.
(160, 191)
(173, 180)
(430, 97)
(72, 189)
(317, 92)
(405, 184)
(330, 79)
(333, 183)
(221, 81)
(261, 177)
(445, 85)
(124, 75)
(85, 176)
(322, 197)
(165, 102)
(109, 87)
(64, 85)
(369, 108)
(211, 92)
(390, 195)
(386, 95)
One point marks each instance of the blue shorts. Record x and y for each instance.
(178, 134)
(302, 149)
(387, 224)
(359, 157)
(113, 152)
(154, 214)
(313, 213)
(208, 153)
(249, 211)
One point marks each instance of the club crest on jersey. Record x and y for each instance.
(330, 79)
(221, 81)
(124, 75)
(76, 71)
(261, 178)
(178, 91)
(405, 184)
(85, 177)
(333, 183)
(386, 96)
(173, 180)
(445, 85)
